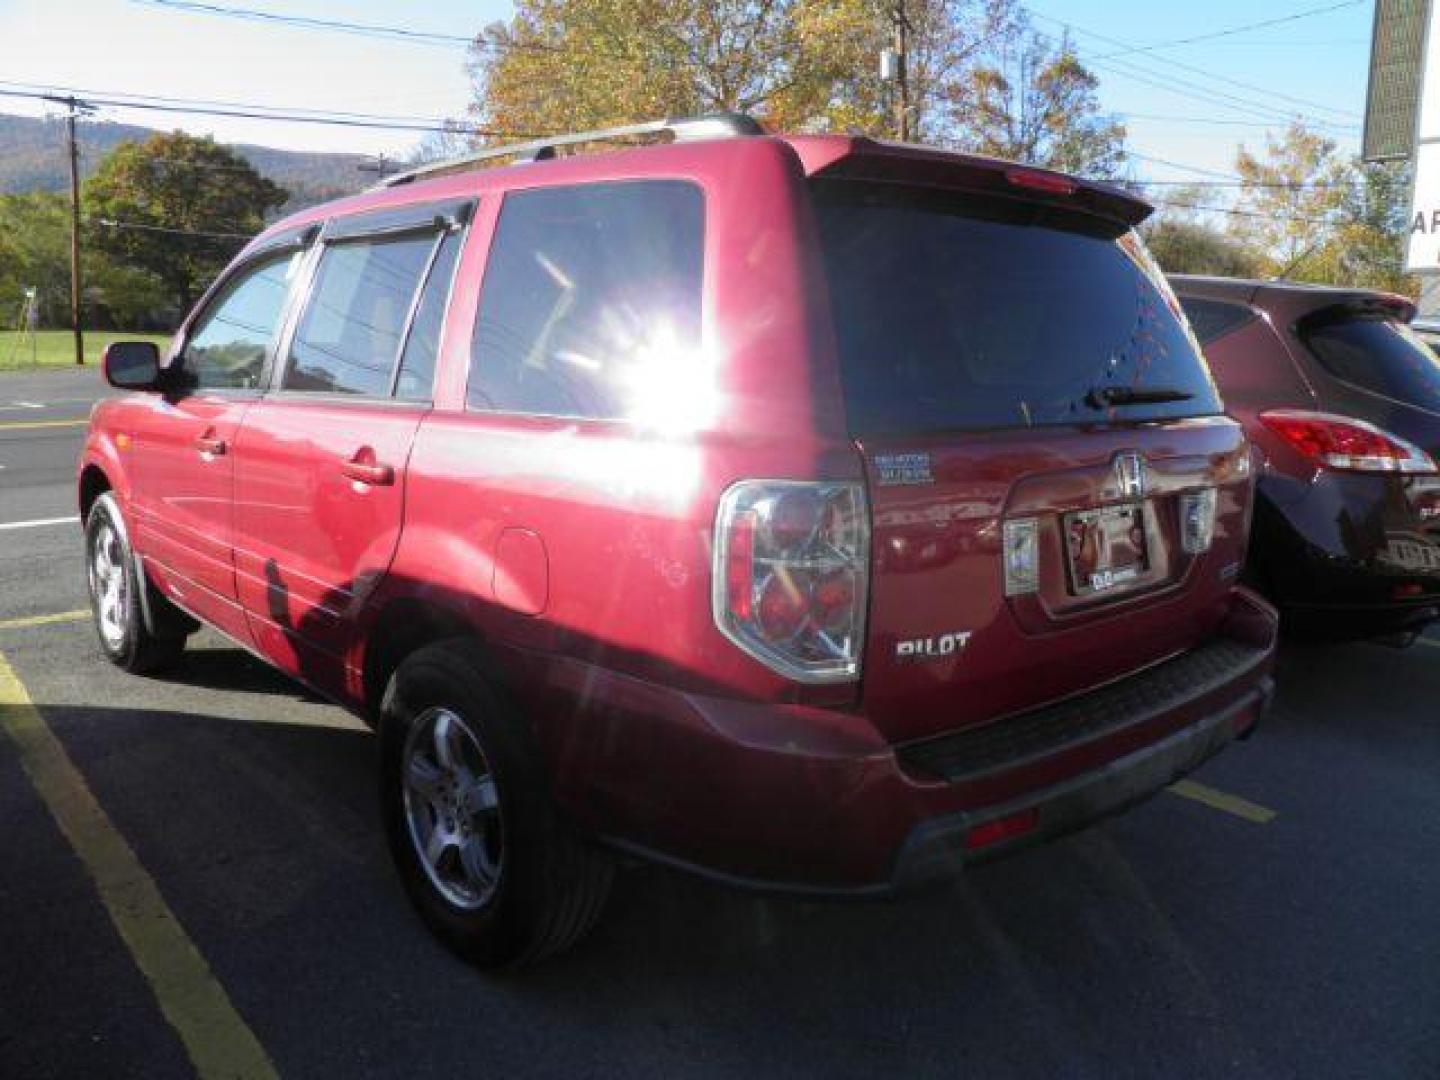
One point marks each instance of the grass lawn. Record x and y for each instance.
(55, 348)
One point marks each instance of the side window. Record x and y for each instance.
(417, 363)
(226, 347)
(591, 301)
(1211, 319)
(348, 339)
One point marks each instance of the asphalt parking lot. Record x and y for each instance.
(194, 881)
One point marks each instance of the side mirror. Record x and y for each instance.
(132, 365)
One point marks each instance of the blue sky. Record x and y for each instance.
(1314, 66)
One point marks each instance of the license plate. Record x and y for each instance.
(1106, 548)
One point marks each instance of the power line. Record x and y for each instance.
(1240, 213)
(397, 33)
(213, 166)
(1200, 170)
(1173, 118)
(374, 30)
(1125, 45)
(1199, 92)
(282, 110)
(135, 226)
(175, 105)
(1282, 184)
(1232, 30)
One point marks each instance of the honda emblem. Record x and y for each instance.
(1130, 475)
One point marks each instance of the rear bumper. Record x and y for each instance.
(1347, 556)
(812, 801)
(936, 848)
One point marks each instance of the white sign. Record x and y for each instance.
(1422, 253)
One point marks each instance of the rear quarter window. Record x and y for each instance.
(1213, 319)
(591, 302)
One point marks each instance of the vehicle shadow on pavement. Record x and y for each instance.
(235, 670)
(1368, 691)
(265, 841)
(1151, 940)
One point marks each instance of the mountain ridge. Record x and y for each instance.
(32, 158)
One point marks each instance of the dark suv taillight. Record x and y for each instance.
(1344, 442)
(791, 575)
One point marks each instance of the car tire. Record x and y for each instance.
(481, 848)
(114, 584)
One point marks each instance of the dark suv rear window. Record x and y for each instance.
(1380, 355)
(960, 311)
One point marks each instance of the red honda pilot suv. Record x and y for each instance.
(816, 514)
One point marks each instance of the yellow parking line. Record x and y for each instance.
(196, 1005)
(1221, 800)
(29, 425)
(43, 620)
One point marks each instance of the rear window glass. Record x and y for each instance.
(1211, 319)
(958, 311)
(1380, 355)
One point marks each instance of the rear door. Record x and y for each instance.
(320, 463)
(182, 448)
(1035, 421)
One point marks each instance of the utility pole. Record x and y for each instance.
(74, 108)
(381, 167)
(902, 75)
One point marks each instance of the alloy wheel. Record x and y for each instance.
(452, 808)
(109, 585)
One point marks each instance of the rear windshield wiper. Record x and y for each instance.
(1105, 397)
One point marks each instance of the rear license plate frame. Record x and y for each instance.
(1104, 575)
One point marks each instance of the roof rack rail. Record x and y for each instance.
(711, 126)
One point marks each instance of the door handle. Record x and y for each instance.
(369, 472)
(210, 444)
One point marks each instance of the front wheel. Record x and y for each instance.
(477, 839)
(115, 585)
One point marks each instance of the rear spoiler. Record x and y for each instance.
(1359, 305)
(859, 158)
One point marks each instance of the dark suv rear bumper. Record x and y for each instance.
(812, 801)
(1346, 556)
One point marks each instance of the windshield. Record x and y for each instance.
(1380, 355)
(961, 311)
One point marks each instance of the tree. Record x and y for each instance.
(176, 207)
(1368, 248)
(35, 252)
(1184, 239)
(1039, 104)
(567, 65)
(1291, 198)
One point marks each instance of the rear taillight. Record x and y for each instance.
(1343, 442)
(791, 570)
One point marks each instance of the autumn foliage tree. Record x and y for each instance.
(1290, 196)
(566, 65)
(176, 207)
(1039, 104)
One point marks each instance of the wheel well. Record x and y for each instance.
(93, 484)
(403, 627)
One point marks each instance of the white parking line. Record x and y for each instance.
(38, 523)
(22, 405)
